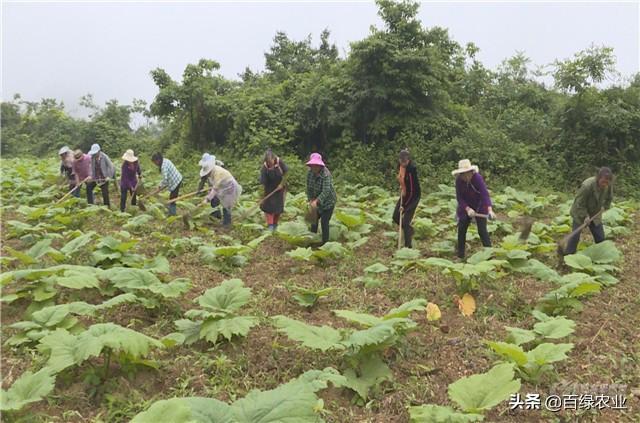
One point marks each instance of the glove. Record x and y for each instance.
(586, 220)
(471, 212)
(491, 214)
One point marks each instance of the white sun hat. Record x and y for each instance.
(129, 156)
(464, 166)
(64, 150)
(206, 157)
(95, 149)
(207, 167)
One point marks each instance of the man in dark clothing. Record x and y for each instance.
(595, 194)
(409, 196)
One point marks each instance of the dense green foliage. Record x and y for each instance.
(403, 85)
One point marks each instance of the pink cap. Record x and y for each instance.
(315, 159)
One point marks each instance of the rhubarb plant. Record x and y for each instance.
(473, 395)
(219, 316)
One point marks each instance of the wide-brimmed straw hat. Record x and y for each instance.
(207, 167)
(64, 150)
(129, 157)
(206, 157)
(464, 166)
(95, 149)
(315, 159)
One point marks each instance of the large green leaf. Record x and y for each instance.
(30, 387)
(520, 336)
(211, 330)
(364, 319)
(406, 309)
(317, 337)
(481, 392)
(376, 268)
(603, 253)
(51, 316)
(294, 402)
(376, 336)
(513, 352)
(138, 221)
(332, 250)
(578, 261)
(482, 255)
(41, 248)
(350, 217)
(539, 270)
(407, 254)
(549, 353)
(190, 330)
(172, 289)
(295, 233)
(186, 410)
(65, 350)
(371, 372)
(158, 264)
(555, 328)
(128, 278)
(301, 253)
(227, 297)
(76, 244)
(78, 280)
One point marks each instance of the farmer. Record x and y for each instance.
(272, 175)
(321, 194)
(205, 158)
(409, 195)
(131, 176)
(82, 171)
(171, 179)
(595, 195)
(102, 171)
(66, 169)
(473, 199)
(225, 190)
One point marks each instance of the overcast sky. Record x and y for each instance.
(65, 50)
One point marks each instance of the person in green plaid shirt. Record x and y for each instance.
(321, 194)
(171, 179)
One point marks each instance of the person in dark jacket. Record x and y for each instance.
(321, 194)
(409, 196)
(473, 199)
(131, 175)
(272, 177)
(595, 194)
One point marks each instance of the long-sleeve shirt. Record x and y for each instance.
(224, 186)
(171, 177)
(412, 185)
(472, 194)
(320, 187)
(66, 169)
(590, 199)
(102, 168)
(130, 173)
(82, 167)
